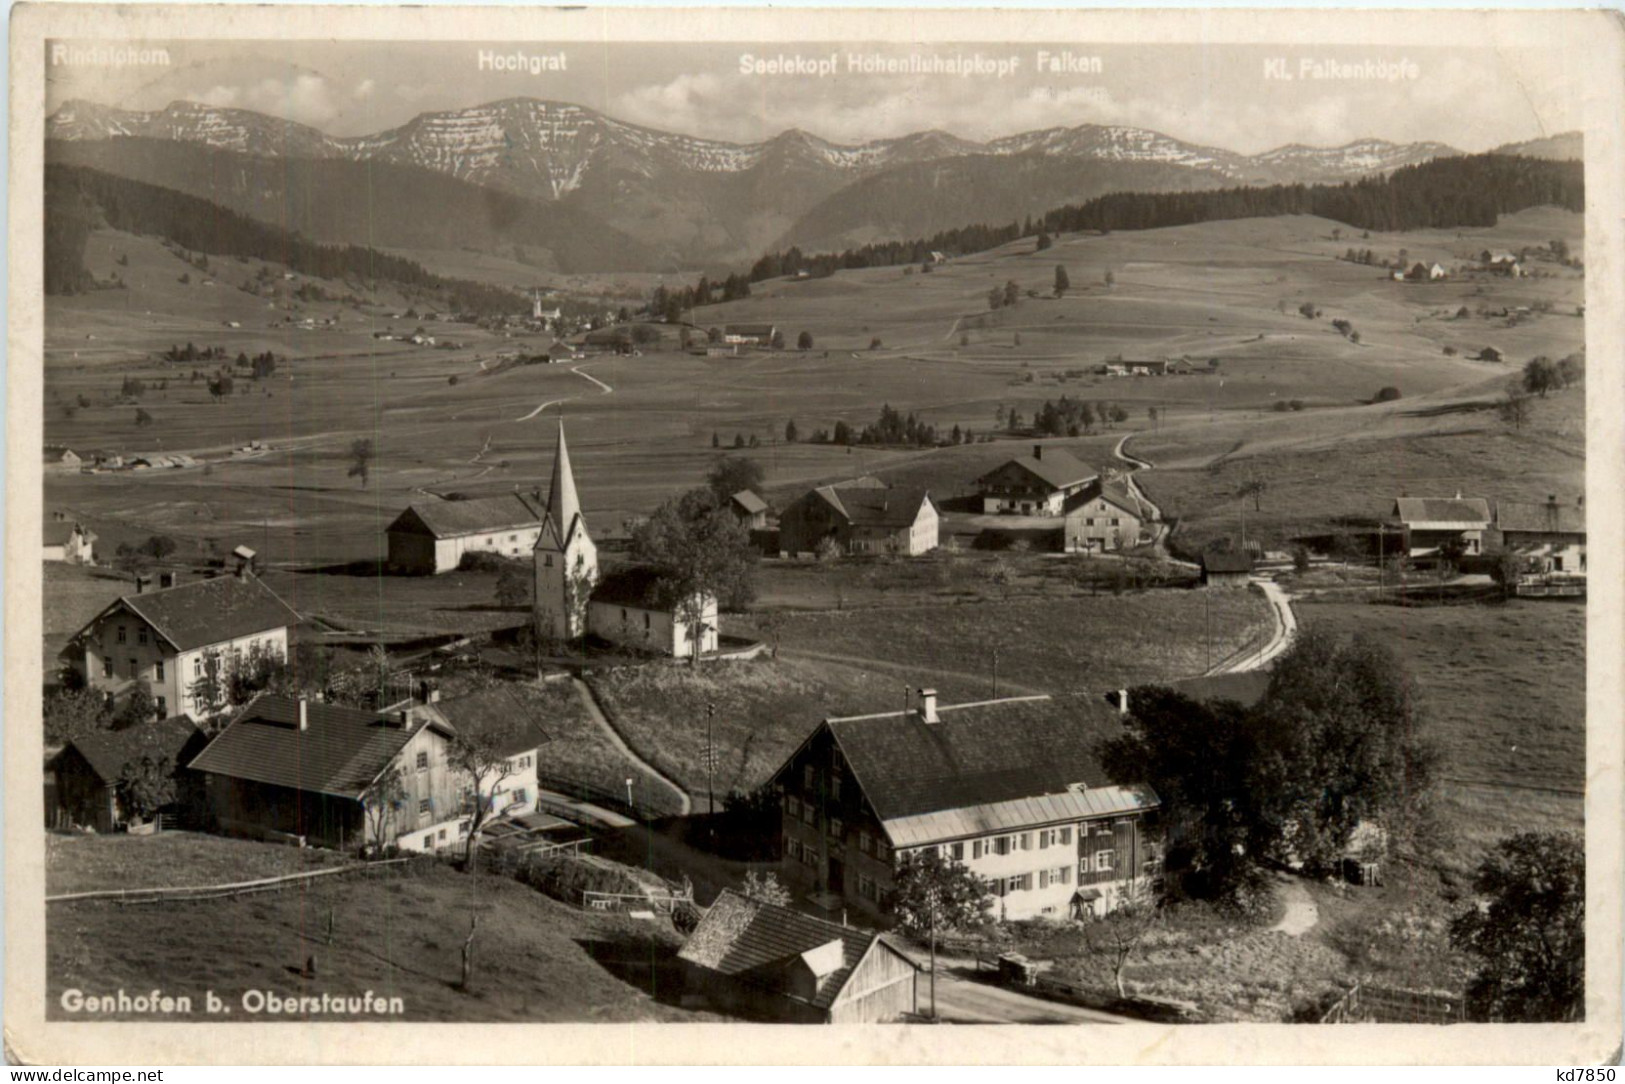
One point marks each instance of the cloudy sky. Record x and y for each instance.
(1213, 95)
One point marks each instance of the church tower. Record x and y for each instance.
(566, 561)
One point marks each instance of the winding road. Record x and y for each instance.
(604, 389)
(596, 714)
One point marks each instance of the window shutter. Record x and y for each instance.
(1043, 878)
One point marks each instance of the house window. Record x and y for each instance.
(1089, 522)
(513, 538)
(1026, 841)
(867, 888)
(442, 835)
(882, 851)
(423, 760)
(141, 635)
(1066, 835)
(808, 813)
(132, 668)
(107, 667)
(958, 852)
(158, 669)
(547, 561)
(1104, 861)
(807, 777)
(977, 848)
(792, 847)
(462, 829)
(1001, 845)
(519, 794)
(423, 806)
(1114, 521)
(835, 827)
(792, 805)
(163, 708)
(121, 634)
(866, 843)
(197, 666)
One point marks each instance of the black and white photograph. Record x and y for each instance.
(914, 520)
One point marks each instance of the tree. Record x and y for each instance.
(1063, 281)
(1116, 936)
(1529, 931)
(1540, 376)
(731, 473)
(513, 586)
(1386, 395)
(930, 891)
(1507, 569)
(382, 803)
(1109, 279)
(766, 888)
(483, 754)
(995, 298)
(791, 434)
(361, 456)
(142, 418)
(209, 689)
(1043, 242)
(804, 341)
(146, 784)
(1012, 292)
(140, 706)
(1254, 487)
(73, 713)
(1572, 369)
(699, 548)
(1514, 407)
(716, 441)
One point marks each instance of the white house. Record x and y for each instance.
(173, 639)
(69, 542)
(1034, 485)
(634, 606)
(431, 537)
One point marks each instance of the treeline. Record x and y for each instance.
(671, 304)
(964, 239)
(78, 198)
(1445, 193)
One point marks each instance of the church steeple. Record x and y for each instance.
(562, 503)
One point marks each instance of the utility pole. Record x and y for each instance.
(995, 672)
(1207, 627)
(931, 900)
(710, 758)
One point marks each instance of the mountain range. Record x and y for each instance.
(588, 192)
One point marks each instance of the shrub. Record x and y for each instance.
(474, 561)
(1281, 407)
(1386, 395)
(1296, 404)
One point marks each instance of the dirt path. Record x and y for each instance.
(596, 714)
(1302, 915)
(604, 389)
(1159, 537)
(1286, 627)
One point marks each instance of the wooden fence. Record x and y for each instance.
(661, 904)
(1367, 1004)
(216, 891)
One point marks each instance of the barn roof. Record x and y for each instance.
(108, 751)
(341, 753)
(749, 329)
(60, 532)
(1056, 468)
(207, 612)
(496, 710)
(1443, 513)
(1549, 518)
(748, 501)
(1111, 493)
(867, 505)
(985, 766)
(449, 519)
(759, 943)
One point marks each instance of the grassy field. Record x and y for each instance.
(168, 860)
(398, 933)
(1503, 690)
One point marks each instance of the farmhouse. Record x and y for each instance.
(634, 606)
(90, 769)
(62, 459)
(431, 537)
(1034, 485)
(70, 542)
(771, 963)
(1145, 368)
(749, 509)
(1433, 523)
(1103, 516)
(1009, 788)
(748, 334)
(288, 769)
(181, 641)
(1552, 532)
(861, 516)
(1226, 569)
(513, 710)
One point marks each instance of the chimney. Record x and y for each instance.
(928, 706)
(168, 579)
(1581, 502)
(304, 714)
(1038, 451)
(141, 583)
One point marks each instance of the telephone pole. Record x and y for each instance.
(710, 758)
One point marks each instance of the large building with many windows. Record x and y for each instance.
(1008, 788)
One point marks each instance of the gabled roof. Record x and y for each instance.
(521, 707)
(1213, 561)
(206, 612)
(1549, 518)
(61, 532)
(748, 501)
(760, 943)
(341, 753)
(1443, 513)
(985, 766)
(450, 519)
(865, 505)
(749, 329)
(1057, 469)
(1112, 493)
(108, 751)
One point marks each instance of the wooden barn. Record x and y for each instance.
(864, 516)
(1226, 569)
(89, 768)
(766, 962)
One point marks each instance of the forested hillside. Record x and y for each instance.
(77, 199)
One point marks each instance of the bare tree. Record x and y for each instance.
(1115, 938)
(382, 803)
(484, 755)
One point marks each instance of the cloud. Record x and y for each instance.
(691, 102)
(304, 97)
(364, 89)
